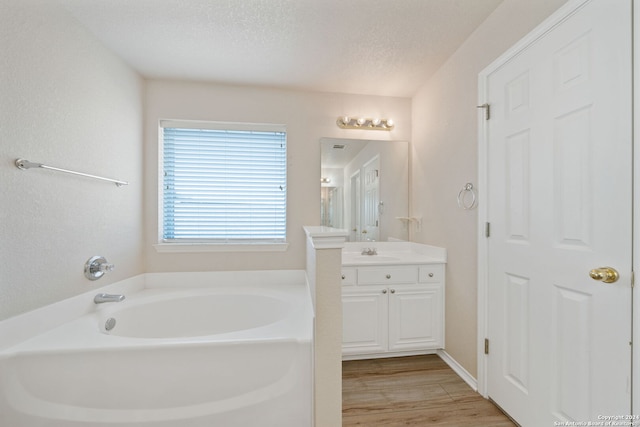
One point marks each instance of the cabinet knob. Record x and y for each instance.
(388, 276)
(384, 291)
(343, 277)
(430, 274)
(393, 291)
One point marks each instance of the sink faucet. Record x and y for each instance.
(102, 297)
(370, 251)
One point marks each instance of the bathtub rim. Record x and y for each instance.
(19, 329)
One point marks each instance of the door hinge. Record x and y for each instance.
(487, 110)
(487, 229)
(486, 346)
(633, 279)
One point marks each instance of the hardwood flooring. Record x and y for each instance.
(412, 391)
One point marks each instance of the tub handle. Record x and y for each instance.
(96, 266)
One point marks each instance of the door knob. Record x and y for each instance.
(604, 274)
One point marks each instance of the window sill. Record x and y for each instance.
(221, 247)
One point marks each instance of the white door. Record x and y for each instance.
(371, 201)
(559, 175)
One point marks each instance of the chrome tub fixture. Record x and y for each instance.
(96, 266)
(102, 298)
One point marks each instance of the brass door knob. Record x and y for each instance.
(604, 274)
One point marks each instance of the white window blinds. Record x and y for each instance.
(224, 185)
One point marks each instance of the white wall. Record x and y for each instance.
(68, 102)
(323, 270)
(445, 158)
(308, 117)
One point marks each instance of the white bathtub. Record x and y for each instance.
(187, 349)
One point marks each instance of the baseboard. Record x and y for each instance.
(458, 369)
(346, 357)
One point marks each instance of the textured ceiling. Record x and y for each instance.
(377, 47)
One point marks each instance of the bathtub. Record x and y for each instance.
(187, 349)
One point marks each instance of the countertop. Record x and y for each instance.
(392, 253)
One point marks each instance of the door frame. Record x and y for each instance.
(561, 15)
(355, 216)
(635, 308)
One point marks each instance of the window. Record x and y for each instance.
(223, 183)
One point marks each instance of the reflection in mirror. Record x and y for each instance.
(365, 188)
(331, 198)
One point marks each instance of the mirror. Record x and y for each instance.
(365, 188)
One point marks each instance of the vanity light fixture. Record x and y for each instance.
(324, 180)
(347, 122)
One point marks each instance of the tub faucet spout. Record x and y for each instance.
(102, 297)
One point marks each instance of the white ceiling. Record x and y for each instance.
(333, 156)
(376, 47)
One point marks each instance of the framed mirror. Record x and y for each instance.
(365, 188)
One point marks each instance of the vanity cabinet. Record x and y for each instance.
(391, 310)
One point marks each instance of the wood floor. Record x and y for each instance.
(412, 391)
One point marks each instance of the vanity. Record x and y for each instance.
(392, 299)
(392, 289)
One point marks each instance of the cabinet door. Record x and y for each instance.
(364, 320)
(416, 317)
(348, 276)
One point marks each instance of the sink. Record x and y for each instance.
(392, 253)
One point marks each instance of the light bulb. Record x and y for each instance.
(375, 122)
(361, 121)
(389, 123)
(346, 120)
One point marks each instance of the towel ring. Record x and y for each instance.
(462, 197)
